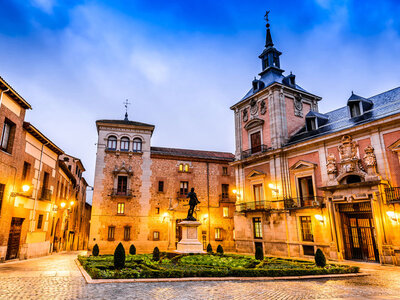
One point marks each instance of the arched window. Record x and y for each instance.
(137, 145)
(180, 167)
(112, 143)
(124, 144)
(186, 168)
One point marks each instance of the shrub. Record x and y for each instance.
(119, 257)
(259, 253)
(320, 259)
(132, 249)
(95, 250)
(220, 250)
(156, 254)
(209, 249)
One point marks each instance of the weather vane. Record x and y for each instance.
(266, 17)
(126, 103)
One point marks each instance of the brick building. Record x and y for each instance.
(140, 191)
(31, 180)
(309, 180)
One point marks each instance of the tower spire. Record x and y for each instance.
(126, 103)
(268, 40)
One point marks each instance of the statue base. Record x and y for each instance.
(189, 242)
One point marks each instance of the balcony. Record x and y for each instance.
(255, 150)
(121, 193)
(181, 195)
(392, 194)
(226, 198)
(45, 194)
(281, 204)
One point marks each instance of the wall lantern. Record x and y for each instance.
(165, 216)
(62, 204)
(205, 217)
(320, 218)
(72, 203)
(25, 188)
(273, 188)
(392, 215)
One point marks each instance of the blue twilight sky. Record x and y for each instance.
(184, 63)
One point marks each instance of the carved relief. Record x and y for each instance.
(370, 163)
(331, 164)
(245, 115)
(253, 106)
(348, 148)
(263, 107)
(298, 106)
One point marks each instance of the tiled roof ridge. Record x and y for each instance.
(193, 152)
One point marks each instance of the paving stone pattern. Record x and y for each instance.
(57, 277)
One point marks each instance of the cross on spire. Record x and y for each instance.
(126, 103)
(266, 17)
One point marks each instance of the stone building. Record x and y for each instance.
(30, 177)
(309, 180)
(140, 191)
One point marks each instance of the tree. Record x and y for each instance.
(209, 249)
(119, 257)
(156, 254)
(132, 250)
(95, 250)
(220, 250)
(259, 253)
(320, 259)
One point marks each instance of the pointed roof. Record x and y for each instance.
(268, 40)
(354, 98)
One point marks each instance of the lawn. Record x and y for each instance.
(205, 265)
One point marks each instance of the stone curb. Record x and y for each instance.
(89, 279)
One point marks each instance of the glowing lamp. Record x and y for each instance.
(392, 215)
(72, 203)
(25, 188)
(319, 218)
(62, 204)
(234, 191)
(273, 188)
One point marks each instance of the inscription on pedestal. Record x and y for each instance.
(192, 233)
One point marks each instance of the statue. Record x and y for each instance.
(193, 201)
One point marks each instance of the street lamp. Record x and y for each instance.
(25, 188)
(62, 204)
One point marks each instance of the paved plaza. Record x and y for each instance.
(57, 277)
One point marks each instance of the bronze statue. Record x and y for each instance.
(193, 201)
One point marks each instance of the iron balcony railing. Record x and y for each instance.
(45, 194)
(226, 198)
(282, 204)
(181, 195)
(392, 194)
(121, 193)
(255, 150)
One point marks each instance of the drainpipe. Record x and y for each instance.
(37, 188)
(208, 202)
(1, 95)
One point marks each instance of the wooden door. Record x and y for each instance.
(14, 238)
(255, 139)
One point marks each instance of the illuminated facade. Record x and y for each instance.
(308, 180)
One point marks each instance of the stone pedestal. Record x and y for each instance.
(189, 242)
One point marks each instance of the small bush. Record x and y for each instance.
(156, 254)
(95, 250)
(320, 259)
(220, 250)
(119, 257)
(209, 249)
(259, 253)
(132, 250)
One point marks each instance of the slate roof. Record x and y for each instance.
(384, 105)
(214, 155)
(123, 122)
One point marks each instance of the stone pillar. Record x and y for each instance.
(190, 242)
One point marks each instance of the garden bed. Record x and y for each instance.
(205, 265)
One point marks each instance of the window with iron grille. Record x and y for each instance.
(184, 187)
(7, 136)
(122, 186)
(257, 228)
(2, 187)
(127, 233)
(306, 229)
(225, 191)
(111, 233)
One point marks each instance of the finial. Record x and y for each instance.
(126, 103)
(266, 17)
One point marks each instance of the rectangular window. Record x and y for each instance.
(45, 193)
(161, 186)
(308, 250)
(157, 210)
(2, 187)
(355, 109)
(111, 233)
(257, 228)
(127, 233)
(156, 235)
(7, 136)
(258, 193)
(120, 208)
(306, 191)
(225, 212)
(184, 187)
(122, 186)
(255, 140)
(225, 191)
(306, 229)
(218, 234)
(40, 222)
(26, 171)
(224, 170)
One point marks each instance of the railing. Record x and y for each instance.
(121, 193)
(226, 198)
(255, 150)
(392, 194)
(282, 204)
(181, 195)
(45, 194)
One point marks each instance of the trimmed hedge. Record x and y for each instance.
(320, 259)
(259, 253)
(132, 250)
(95, 251)
(220, 250)
(119, 257)
(209, 249)
(156, 254)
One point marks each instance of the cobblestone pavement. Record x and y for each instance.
(57, 277)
